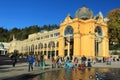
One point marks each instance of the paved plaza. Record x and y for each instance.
(8, 72)
(22, 68)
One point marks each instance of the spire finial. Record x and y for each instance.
(14, 37)
(83, 5)
(68, 14)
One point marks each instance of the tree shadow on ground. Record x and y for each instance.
(22, 77)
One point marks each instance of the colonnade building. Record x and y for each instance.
(84, 34)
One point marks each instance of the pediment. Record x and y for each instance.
(68, 18)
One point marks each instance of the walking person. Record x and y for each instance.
(30, 60)
(14, 58)
(42, 62)
(59, 62)
(75, 61)
(67, 63)
(39, 60)
(89, 63)
(36, 60)
(84, 61)
(53, 62)
(103, 59)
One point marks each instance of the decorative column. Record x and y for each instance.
(77, 44)
(47, 52)
(55, 49)
(51, 52)
(68, 49)
(106, 47)
(43, 48)
(61, 46)
(92, 43)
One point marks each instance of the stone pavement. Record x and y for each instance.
(7, 71)
(113, 65)
(20, 68)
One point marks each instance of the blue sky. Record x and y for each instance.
(24, 13)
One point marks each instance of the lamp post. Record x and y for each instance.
(69, 46)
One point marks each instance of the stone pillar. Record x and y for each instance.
(77, 45)
(105, 47)
(37, 48)
(47, 51)
(61, 46)
(55, 49)
(43, 49)
(68, 54)
(92, 43)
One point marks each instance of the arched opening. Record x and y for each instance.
(40, 47)
(45, 48)
(3, 50)
(69, 42)
(29, 49)
(51, 52)
(57, 45)
(32, 49)
(36, 47)
(98, 39)
(26, 49)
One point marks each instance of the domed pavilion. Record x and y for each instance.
(84, 34)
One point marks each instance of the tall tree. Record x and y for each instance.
(21, 34)
(114, 26)
(3, 35)
(14, 32)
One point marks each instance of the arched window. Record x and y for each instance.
(98, 31)
(40, 46)
(45, 45)
(29, 48)
(68, 31)
(26, 49)
(32, 47)
(57, 44)
(36, 47)
(51, 44)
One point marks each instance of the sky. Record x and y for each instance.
(24, 13)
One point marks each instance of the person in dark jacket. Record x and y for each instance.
(89, 63)
(14, 58)
(83, 59)
(30, 60)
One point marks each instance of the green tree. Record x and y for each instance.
(114, 26)
(49, 27)
(21, 34)
(3, 34)
(14, 32)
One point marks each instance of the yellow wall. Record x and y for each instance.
(84, 37)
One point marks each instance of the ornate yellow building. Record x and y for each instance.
(82, 35)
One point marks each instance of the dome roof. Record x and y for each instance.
(84, 13)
